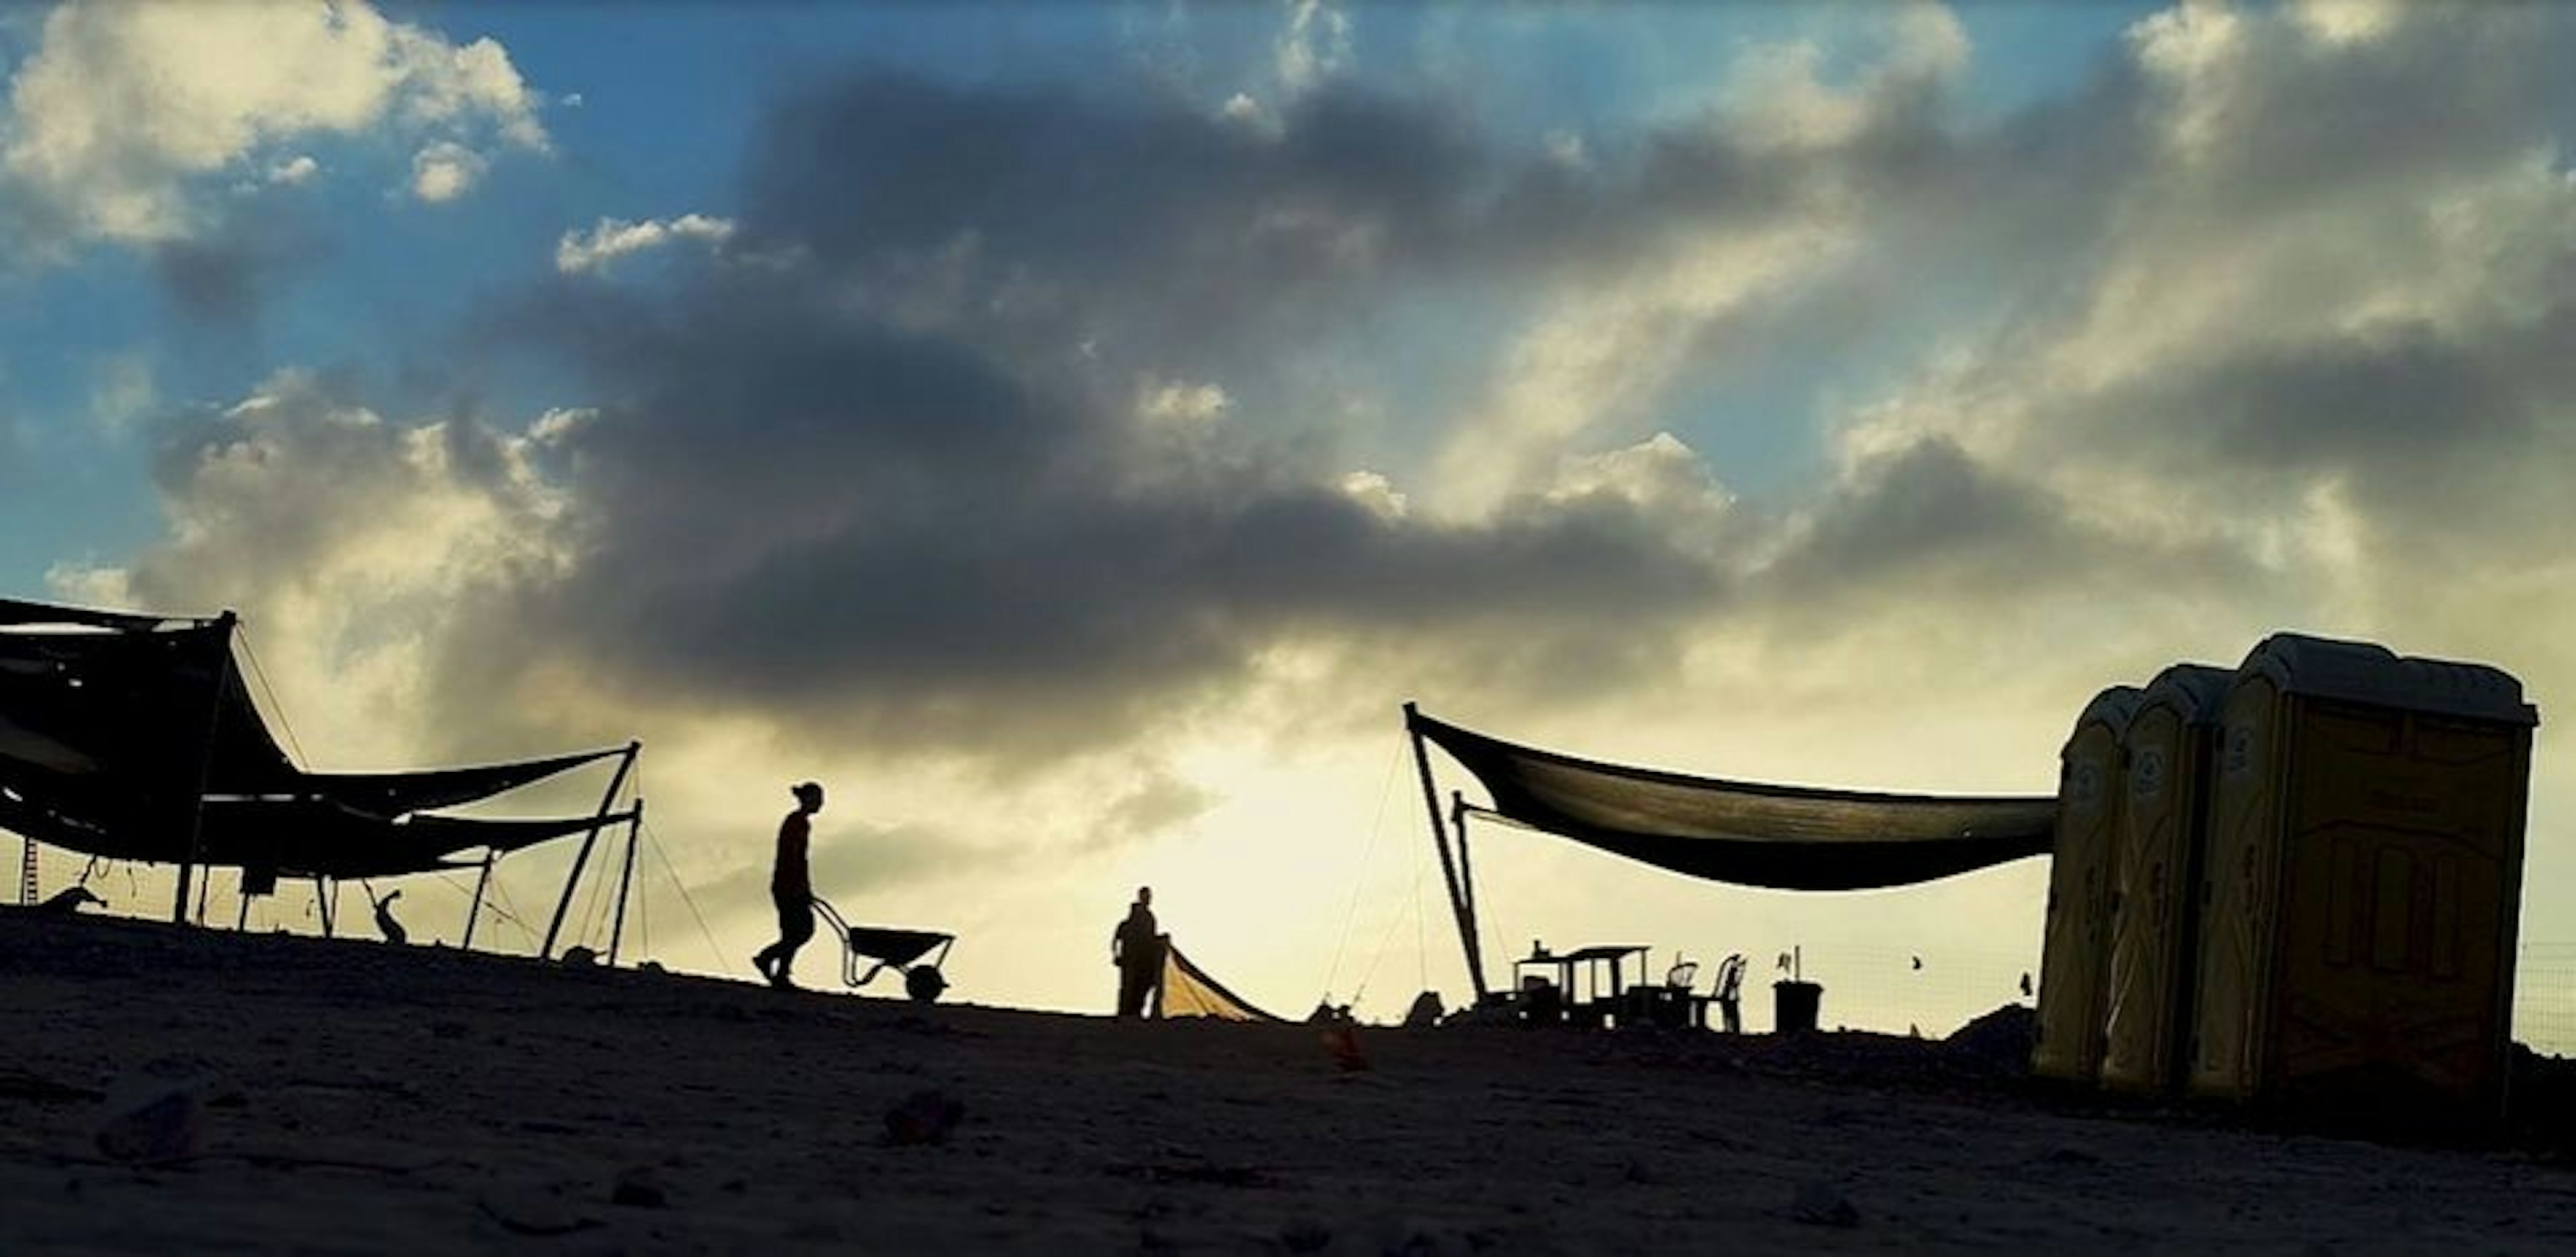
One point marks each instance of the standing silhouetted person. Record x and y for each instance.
(791, 888)
(1137, 950)
(385, 923)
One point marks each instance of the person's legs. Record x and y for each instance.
(795, 926)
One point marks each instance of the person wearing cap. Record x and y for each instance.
(791, 888)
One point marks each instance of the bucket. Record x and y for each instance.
(1793, 1006)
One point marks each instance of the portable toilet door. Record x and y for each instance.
(2363, 885)
(2075, 944)
(2155, 886)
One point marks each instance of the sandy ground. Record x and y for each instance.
(353, 1097)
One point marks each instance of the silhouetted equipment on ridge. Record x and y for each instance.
(134, 737)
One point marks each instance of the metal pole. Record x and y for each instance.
(1448, 870)
(205, 768)
(625, 881)
(475, 913)
(322, 903)
(1466, 872)
(563, 905)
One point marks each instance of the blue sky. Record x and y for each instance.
(1070, 429)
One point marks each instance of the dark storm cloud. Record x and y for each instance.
(806, 510)
(804, 494)
(1931, 511)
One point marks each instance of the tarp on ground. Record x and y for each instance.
(1749, 833)
(1189, 992)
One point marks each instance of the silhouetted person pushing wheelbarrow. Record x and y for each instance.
(791, 888)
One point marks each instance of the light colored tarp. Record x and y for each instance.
(1749, 833)
(1189, 992)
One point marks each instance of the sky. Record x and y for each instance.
(1071, 431)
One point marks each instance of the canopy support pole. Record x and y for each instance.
(205, 769)
(322, 903)
(475, 913)
(1448, 868)
(625, 881)
(554, 928)
(1466, 871)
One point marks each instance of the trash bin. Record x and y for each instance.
(1793, 1006)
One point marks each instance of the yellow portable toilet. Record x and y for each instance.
(2363, 885)
(2072, 951)
(2155, 885)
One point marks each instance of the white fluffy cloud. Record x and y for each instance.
(445, 171)
(121, 108)
(609, 239)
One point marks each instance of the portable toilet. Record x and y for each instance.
(2074, 946)
(2362, 885)
(2155, 885)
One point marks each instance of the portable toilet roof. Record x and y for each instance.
(2196, 690)
(2366, 672)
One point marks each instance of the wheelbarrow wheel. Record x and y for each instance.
(924, 984)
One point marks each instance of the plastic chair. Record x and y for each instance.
(1728, 993)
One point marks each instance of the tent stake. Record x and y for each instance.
(1448, 869)
(563, 905)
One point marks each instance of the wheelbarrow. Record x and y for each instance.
(901, 950)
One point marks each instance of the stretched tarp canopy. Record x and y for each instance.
(1189, 992)
(134, 737)
(1748, 833)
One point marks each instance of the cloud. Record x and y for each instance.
(445, 171)
(613, 238)
(1315, 45)
(221, 276)
(122, 110)
(294, 170)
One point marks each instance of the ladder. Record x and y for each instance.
(27, 871)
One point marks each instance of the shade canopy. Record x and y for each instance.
(1748, 833)
(132, 736)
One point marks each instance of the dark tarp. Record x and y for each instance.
(1748, 833)
(297, 838)
(114, 725)
(1189, 992)
(393, 793)
(14, 613)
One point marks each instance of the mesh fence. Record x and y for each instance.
(1932, 993)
